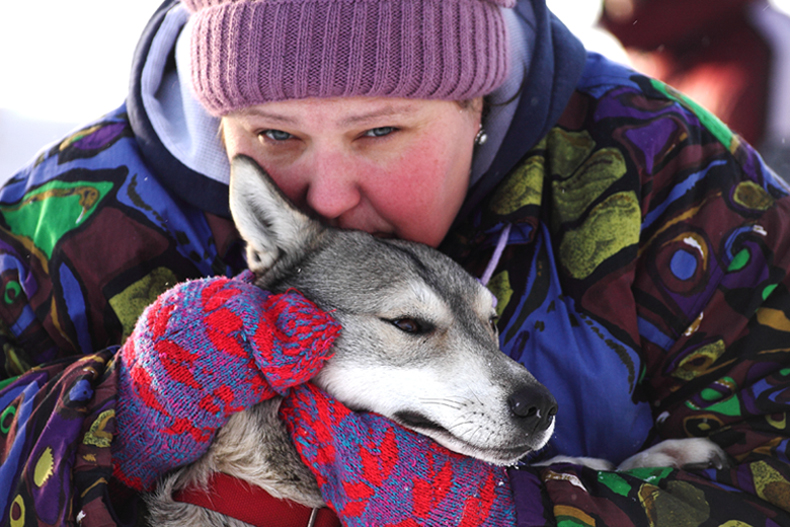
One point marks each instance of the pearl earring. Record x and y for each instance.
(481, 137)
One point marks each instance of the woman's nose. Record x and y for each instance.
(332, 185)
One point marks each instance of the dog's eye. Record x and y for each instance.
(493, 323)
(410, 325)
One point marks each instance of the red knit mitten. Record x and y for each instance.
(372, 471)
(204, 350)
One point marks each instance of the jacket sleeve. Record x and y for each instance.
(710, 313)
(57, 419)
(88, 238)
(61, 236)
(57, 402)
(56, 428)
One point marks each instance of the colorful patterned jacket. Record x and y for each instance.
(645, 283)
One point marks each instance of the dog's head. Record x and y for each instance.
(419, 340)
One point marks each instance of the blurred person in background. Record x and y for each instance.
(730, 56)
(583, 19)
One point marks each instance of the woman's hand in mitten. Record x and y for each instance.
(372, 471)
(202, 351)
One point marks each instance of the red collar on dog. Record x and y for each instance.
(251, 504)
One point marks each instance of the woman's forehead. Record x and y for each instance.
(341, 110)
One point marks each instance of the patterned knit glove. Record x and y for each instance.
(372, 471)
(202, 351)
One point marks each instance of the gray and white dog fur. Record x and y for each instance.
(418, 345)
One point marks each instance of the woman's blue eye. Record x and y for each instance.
(380, 132)
(276, 135)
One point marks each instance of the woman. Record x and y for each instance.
(643, 279)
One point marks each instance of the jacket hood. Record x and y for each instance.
(179, 140)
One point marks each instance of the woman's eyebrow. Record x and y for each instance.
(390, 110)
(257, 112)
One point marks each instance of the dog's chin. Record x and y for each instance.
(508, 454)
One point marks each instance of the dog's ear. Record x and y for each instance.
(267, 220)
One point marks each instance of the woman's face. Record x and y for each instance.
(390, 167)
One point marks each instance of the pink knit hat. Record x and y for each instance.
(247, 52)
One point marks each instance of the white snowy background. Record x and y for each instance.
(62, 64)
(65, 63)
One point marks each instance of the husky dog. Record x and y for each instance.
(418, 345)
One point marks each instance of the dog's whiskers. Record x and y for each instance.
(472, 432)
(453, 428)
(479, 401)
(449, 403)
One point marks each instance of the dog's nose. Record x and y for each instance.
(534, 406)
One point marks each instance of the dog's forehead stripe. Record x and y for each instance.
(431, 300)
(416, 299)
(409, 253)
(483, 302)
(437, 276)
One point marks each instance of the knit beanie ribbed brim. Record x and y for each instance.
(248, 52)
